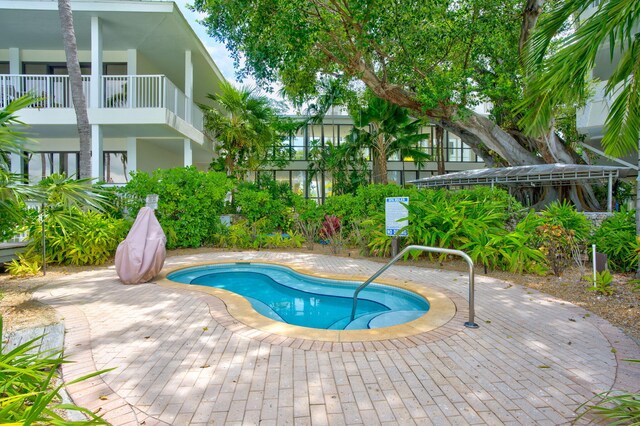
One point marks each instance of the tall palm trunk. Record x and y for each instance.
(75, 79)
(379, 161)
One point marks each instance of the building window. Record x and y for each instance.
(115, 167)
(297, 146)
(39, 165)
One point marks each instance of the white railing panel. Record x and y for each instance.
(52, 91)
(133, 91)
(197, 117)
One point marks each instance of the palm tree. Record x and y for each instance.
(563, 77)
(57, 194)
(385, 129)
(244, 128)
(75, 79)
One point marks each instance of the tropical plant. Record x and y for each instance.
(13, 191)
(556, 244)
(244, 126)
(603, 282)
(616, 238)
(564, 214)
(28, 394)
(384, 129)
(346, 166)
(617, 407)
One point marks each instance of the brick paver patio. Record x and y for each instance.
(179, 358)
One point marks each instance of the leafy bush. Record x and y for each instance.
(564, 214)
(27, 393)
(84, 238)
(272, 202)
(616, 237)
(556, 244)
(603, 283)
(23, 266)
(189, 205)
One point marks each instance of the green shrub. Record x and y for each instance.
(189, 206)
(84, 238)
(616, 237)
(23, 266)
(564, 214)
(255, 204)
(556, 243)
(603, 283)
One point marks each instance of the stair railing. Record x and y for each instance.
(470, 323)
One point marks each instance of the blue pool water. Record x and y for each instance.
(282, 294)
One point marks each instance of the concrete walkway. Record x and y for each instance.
(179, 358)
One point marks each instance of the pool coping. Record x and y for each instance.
(442, 308)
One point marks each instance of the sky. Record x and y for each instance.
(217, 50)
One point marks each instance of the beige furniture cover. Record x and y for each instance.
(141, 255)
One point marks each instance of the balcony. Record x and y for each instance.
(117, 93)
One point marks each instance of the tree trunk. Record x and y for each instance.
(379, 168)
(480, 133)
(75, 79)
(440, 150)
(531, 12)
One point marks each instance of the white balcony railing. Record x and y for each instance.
(123, 91)
(52, 91)
(148, 91)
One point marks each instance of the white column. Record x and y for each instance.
(132, 69)
(132, 155)
(14, 60)
(188, 85)
(188, 153)
(17, 164)
(97, 161)
(96, 63)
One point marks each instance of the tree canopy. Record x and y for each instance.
(437, 58)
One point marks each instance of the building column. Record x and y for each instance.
(96, 63)
(14, 61)
(188, 85)
(97, 157)
(132, 70)
(188, 153)
(132, 155)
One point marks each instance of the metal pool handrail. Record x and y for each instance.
(470, 323)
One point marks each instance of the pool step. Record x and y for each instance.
(264, 309)
(387, 319)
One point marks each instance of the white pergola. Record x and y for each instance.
(536, 175)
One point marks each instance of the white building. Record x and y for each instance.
(144, 71)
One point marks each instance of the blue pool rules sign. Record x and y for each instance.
(394, 212)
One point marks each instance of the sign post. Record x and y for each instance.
(396, 218)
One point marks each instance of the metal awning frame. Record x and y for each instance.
(544, 179)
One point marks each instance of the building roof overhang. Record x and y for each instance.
(535, 175)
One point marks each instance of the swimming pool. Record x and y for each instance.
(281, 294)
